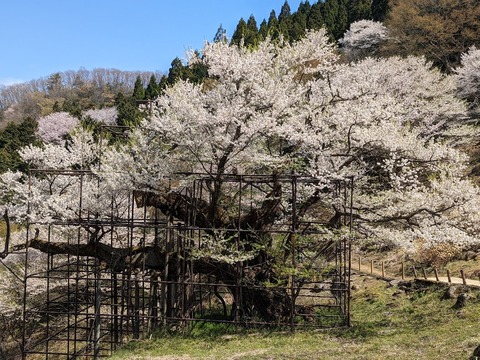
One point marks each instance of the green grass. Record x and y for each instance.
(387, 323)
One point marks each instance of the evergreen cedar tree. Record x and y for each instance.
(335, 15)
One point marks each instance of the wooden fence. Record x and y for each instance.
(403, 271)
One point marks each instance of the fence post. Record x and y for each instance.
(415, 275)
(424, 273)
(436, 274)
(403, 270)
(359, 263)
(383, 269)
(371, 266)
(449, 277)
(463, 277)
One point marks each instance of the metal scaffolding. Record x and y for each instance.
(164, 271)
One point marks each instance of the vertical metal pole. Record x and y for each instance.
(293, 245)
(239, 264)
(96, 343)
(77, 305)
(25, 276)
(116, 339)
(136, 307)
(24, 307)
(350, 251)
(49, 267)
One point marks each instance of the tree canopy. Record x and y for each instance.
(284, 108)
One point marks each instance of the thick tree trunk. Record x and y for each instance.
(268, 303)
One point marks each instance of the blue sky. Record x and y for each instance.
(39, 38)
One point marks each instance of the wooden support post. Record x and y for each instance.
(436, 274)
(449, 277)
(463, 277)
(371, 266)
(424, 273)
(383, 269)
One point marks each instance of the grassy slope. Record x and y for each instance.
(388, 323)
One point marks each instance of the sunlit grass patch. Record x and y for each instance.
(388, 322)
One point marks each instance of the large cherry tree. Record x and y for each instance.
(391, 124)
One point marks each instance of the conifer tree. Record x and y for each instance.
(285, 13)
(128, 112)
(304, 8)
(341, 24)
(12, 138)
(299, 21)
(251, 34)
(330, 15)
(336, 18)
(272, 19)
(176, 71)
(162, 84)
(359, 10)
(73, 107)
(315, 18)
(138, 89)
(285, 21)
(239, 33)
(380, 9)
(263, 30)
(152, 90)
(221, 35)
(197, 71)
(273, 29)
